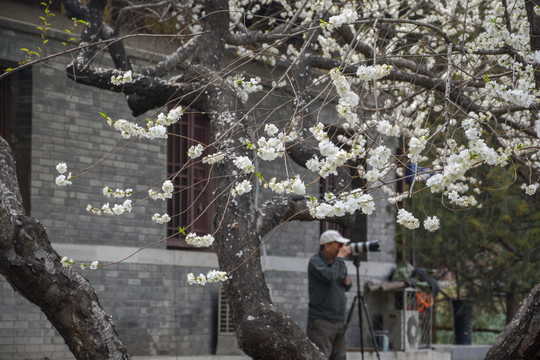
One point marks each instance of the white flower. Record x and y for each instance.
(65, 262)
(213, 276)
(199, 241)
(244, 164)
(373, 72)
(62, 180)
(407, 219)
(167, 186)
(61, 168)
(297, 186)
(214, 158)
(431, 223)
(373, 175)
(384, 127)
(242, 188)
(195, 151)
(530, 189)
(336, 21)
(379, 156)
(271, 129)
(416, 145)
(161, 219)
(122, 79)
(537, 127)
(94, 265)
(157, 132)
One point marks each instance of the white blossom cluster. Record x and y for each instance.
(464, 201)
(388, 129)
(373, 72)
(67, 263)
(118, 193)
(519, 97)
(274, 147)
(214, 158)
(431, 223)
(124, 78)
(161, 219)
(416, 146)
(199, 241)
(117, 209)
(166, 191)
(346, 203)
(289, 186)
(154, 129)
(195, 151)
(348, 99)
(333, 156)
(241, 188)
(63, 180)
(212, 276)
(243, 88)
(407, 219)
(378, 157)
(244, 164)
(530, 189)
(347, 16)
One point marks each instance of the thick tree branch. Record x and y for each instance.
(150, 92)
(173, 60)
(520, 339)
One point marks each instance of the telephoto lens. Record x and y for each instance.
(361, 247)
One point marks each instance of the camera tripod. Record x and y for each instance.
(362, 306)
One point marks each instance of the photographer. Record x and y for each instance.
(328, 282)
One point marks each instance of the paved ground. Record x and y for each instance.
(439, 352)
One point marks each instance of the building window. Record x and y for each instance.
(190, 205)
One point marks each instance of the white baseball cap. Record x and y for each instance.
(332, 235)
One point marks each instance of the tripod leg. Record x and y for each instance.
(370, 325)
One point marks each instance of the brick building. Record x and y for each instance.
(48, 119)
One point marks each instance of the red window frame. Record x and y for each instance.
(190, 205)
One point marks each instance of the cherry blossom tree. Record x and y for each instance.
(421, 90)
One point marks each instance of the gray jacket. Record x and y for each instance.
(327, 298)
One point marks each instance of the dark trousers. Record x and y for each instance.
(329, 337)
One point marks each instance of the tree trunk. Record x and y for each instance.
(33, 269)
(520, 339)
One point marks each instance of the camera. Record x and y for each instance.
(360, 247)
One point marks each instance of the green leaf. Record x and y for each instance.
(182, 230)
(25, 49)
(259, 174)
(103, 114)
(67, 30)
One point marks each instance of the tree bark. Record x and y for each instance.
(33, 269)
(520, 339)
